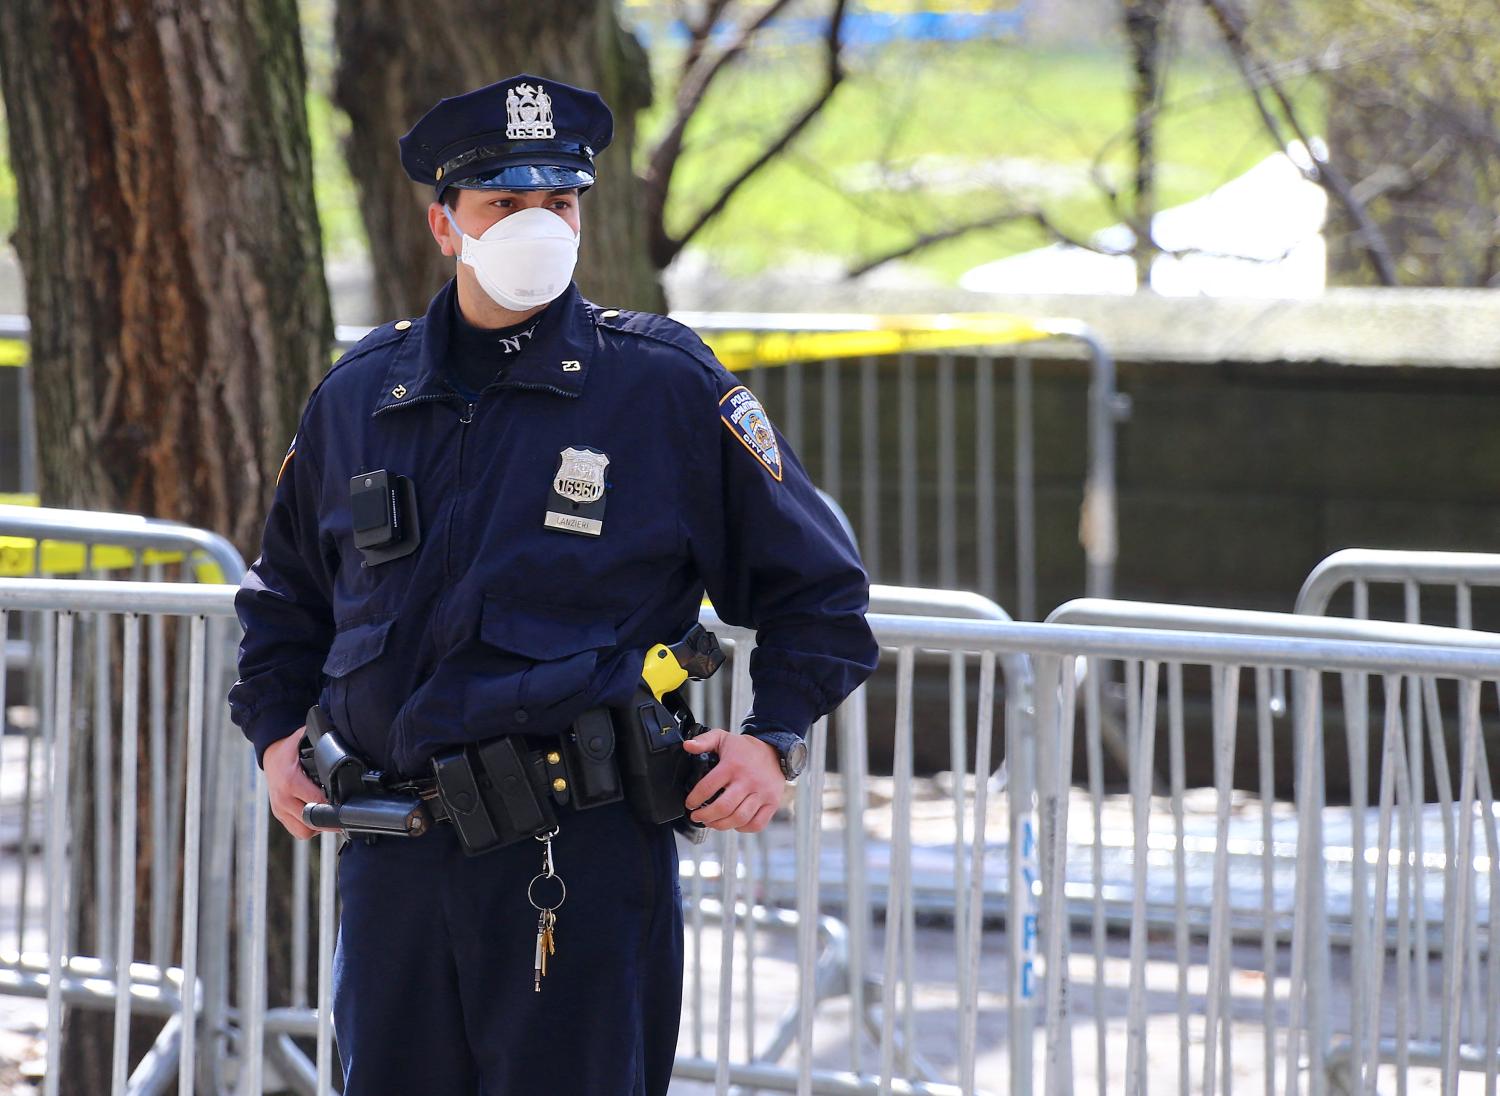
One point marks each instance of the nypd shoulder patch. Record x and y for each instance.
(748, 422)
(286, 460)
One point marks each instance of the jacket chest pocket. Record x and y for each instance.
(539, 662)
(356, 700)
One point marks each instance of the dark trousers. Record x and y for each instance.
(433, 987)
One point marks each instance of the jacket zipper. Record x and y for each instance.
(429, 398)
(453, 517)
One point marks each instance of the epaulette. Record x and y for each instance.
(375, 338)
(659, 329)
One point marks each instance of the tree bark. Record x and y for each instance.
(397, 59)
(170, 245)
(173, 272)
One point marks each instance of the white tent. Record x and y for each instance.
(1259, 235)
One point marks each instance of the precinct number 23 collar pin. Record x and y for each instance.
(576, 504)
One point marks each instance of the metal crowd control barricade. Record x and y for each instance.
(1336, 867)
(182, 977)
(1443, 583)
(970, 1023)
(1459, 573)
(127, 702)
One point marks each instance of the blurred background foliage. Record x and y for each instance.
(957, 111)
(921, 134)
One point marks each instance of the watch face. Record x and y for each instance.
(795, 760)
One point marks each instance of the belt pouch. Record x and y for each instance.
(459, 790)
(588, 750)
(652, 758)
(519, 808)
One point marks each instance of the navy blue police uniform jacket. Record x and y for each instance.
(499, 624)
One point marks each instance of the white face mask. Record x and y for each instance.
(523, 260)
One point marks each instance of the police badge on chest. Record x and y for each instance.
(576, 504)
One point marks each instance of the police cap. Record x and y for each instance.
(520, 133)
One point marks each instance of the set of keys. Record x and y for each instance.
(546, 922)
(545, 944)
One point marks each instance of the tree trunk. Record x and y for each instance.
(397, 59)
(174, 278)
(170, 246)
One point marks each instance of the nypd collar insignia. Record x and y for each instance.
(576, 504)
(747, 420)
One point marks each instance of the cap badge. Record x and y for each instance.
(528, 111)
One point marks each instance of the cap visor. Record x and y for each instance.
(526, 177)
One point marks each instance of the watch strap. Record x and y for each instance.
(781, 741)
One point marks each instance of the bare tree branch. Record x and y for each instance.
(833, 76)
(698, 73)
(1258, 78)
(700, 32)
(942, 236)
(1146, 28)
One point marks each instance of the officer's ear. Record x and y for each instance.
(449, 241)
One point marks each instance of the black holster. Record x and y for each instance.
(658, 772)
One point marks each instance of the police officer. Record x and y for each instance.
(488, 514)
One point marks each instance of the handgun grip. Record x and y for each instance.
(317, 724)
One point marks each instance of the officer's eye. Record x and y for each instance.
(563, 203)
(503, 203)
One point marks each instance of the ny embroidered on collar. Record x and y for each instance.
(512, 344)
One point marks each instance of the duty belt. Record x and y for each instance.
(505, 789)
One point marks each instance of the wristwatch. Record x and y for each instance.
(790, 749)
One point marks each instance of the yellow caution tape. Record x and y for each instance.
(60, 557)
(741, 350)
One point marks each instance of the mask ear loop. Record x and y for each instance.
(462, 235)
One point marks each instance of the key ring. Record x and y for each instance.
(538, 906)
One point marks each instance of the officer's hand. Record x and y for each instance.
(288, 784)
(748, 775)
